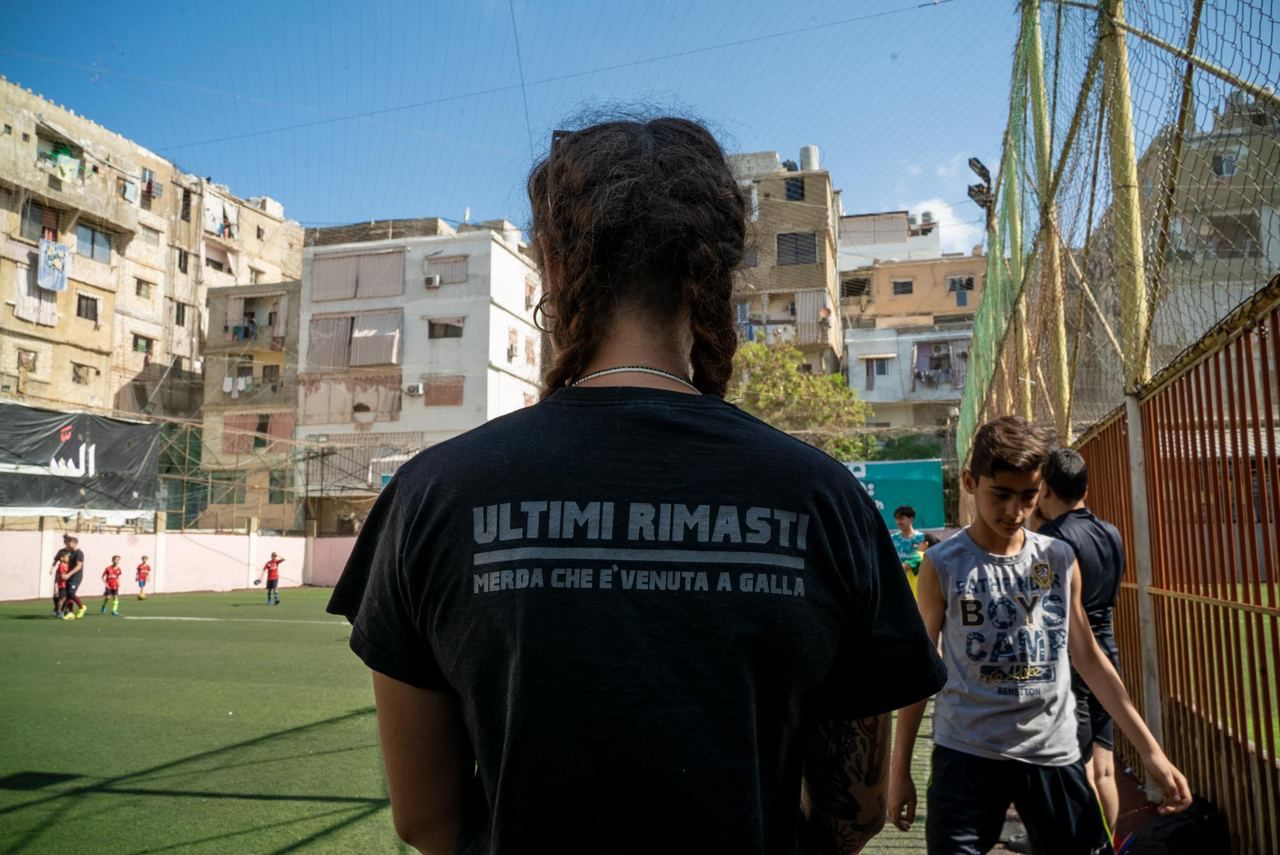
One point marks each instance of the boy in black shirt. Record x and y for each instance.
(1100, 555)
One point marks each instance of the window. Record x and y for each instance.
(444, 390)
(255, 276)
(805, 368)
(856, 287)
(150, 237)
(142, 288)
(39, 222)
(444, 327)
(795, 189)
(271, 319)
(797, 248)
(87, 307)
(452, 271)
(1224, 165)
(80, 374)
(530, 293)
(959, 283)
(1234, 236)
(742, 313)
(903, 287)
(877, 366)
(261, 233)
(27, 361)
(962, 299)
(752, 192)
(244, 366)
(260, 438)
(271, 374)
(369, 274)
(277, 484)
(183, 260)
(92, 243)
(513, 344)
(750, 258)
(142, 344)
(180, 314)
(530, 352)
(186, 205)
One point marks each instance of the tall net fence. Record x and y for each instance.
(1136, 202)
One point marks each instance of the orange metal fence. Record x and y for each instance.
(1211, 444)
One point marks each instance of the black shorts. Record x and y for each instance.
(272, 584)
(111, 592)
(1093, 723)
(969, 795)
(73, 585)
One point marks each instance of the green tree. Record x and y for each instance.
(819, 409)
(910, 447)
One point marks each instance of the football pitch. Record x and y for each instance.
(192, 723)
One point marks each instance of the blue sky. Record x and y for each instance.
(396, 108)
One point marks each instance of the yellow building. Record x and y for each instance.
(788, 289)
(145, 243)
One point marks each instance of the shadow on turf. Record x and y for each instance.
(358, 807)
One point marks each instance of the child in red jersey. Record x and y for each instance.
(59, 570)
(272, 571)
(111, 595)
(144, 571)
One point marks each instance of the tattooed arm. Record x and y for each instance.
(843, 791)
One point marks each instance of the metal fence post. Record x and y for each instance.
(1152, 706)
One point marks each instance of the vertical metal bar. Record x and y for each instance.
(1233, 648)
(1248, 587)
(1152, 704)
(1050, 262)
(1130, 277)
(1206, 457)
(1258, 516)
(1208, 771)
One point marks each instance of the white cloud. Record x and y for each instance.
(959, 230)
(913, 168)
(951, 167)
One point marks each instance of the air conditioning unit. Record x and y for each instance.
(512, 352)
(415, 390)
(432, 281)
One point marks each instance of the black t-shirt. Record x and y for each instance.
(1101, 556)
(643, 600)
(75, 565)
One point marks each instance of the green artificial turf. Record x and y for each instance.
(251, 731)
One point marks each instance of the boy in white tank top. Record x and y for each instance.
(1005, 603)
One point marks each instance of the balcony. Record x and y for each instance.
(250, 391)
(69, 184)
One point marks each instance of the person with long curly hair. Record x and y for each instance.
(631, 617)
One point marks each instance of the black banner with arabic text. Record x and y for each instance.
(58, 463)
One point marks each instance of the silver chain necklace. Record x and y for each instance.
(635, 369)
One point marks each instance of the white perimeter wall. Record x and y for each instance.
(179, 561)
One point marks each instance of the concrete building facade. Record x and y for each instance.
(145, 241)
(788, 288)
(407, 340)
(908, 313)
(250, 407)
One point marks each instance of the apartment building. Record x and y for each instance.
(412, 332)
(106, 254)
(908, 311)
(250, 407)
(788, 289)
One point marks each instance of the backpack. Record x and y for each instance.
(1200, 829)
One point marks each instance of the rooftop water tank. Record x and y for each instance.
(809, 158)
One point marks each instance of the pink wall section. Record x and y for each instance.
(180, 561)
(328, 557)
(23, 565)
(204, 562)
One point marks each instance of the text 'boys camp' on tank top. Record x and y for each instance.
(1004, 641)
(643, 601)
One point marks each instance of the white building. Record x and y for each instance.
(911, 376)
(888, 236)
(406, 341)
